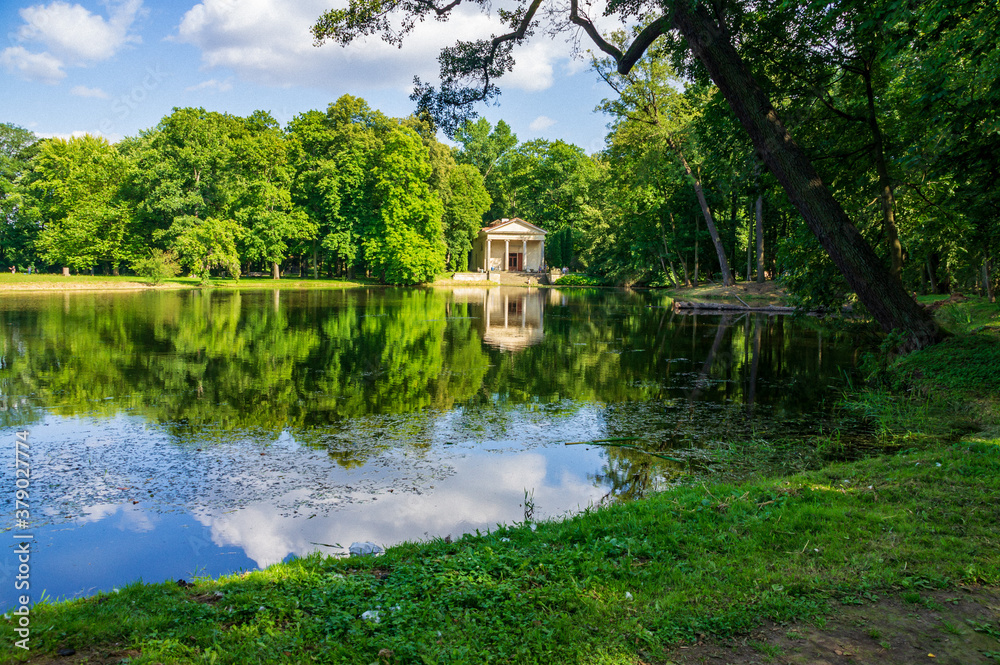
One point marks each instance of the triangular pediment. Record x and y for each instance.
(514, 226)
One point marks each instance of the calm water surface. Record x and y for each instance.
(191, 433)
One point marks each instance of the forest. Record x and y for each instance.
(896, 110)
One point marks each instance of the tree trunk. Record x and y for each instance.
(275, 270)
(727, 279)
(988, 280)
(695, 281)
(673, 272)
(684, 267)
(882, 294)
(938, 285)
(760, 238)
(884, 185)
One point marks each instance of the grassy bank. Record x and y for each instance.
(707, 565)
(22, 282)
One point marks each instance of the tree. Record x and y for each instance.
(323, 176)
(403, 243)
(17, 146)
(186, 170)
(469, 71)
(365, 181)
(649, 95)
(204, 244)
(490, 150)
(157, 266)
(74, 191)
(465, 201)
(263, 206)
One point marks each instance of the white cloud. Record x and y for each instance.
(32, 66)
(71, 36)
(66, 136)
(212, 84)
(84, 91)
(533, 71)
(541, 123)
(268, 42)
(74, 34)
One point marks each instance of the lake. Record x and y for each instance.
(183, 433)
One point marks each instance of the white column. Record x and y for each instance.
(488, 250)
(506, 254)
(524, 254)
(541, 258)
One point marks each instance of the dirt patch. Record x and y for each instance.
(86, 286)
(960, 627)
(769, 291)
(950, 300)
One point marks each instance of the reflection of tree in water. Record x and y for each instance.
(205, 362)
(630, 474)
(327, 365)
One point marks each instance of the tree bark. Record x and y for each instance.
(884, 185)
(695, 251)
(275, 270)
(727, 279)
(988, 280)
(684, 267)
(760, 239)
(881, 293)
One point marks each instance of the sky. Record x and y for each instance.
(117, 67)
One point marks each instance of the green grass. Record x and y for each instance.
(75, 282)
(716, 559)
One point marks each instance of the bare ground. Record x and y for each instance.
(959, 627)
(768, 291)
(95, 285)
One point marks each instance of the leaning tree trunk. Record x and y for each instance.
(877, 289)
(727, 279)
(275, 270)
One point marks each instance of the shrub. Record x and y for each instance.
(158, 266)
(578, 279)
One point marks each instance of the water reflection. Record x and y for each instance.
(255, 425)
(513, 317)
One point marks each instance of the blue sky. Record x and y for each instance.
(116, 67)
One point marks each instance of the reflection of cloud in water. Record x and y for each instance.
(485, 490)
(419, 475)
(130, 518)
(97, 513)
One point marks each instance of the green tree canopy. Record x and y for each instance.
(74, 191)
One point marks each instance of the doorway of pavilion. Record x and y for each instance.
(515, 261)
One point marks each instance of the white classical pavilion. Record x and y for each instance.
(509, 245)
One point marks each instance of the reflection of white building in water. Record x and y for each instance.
(512, 317)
